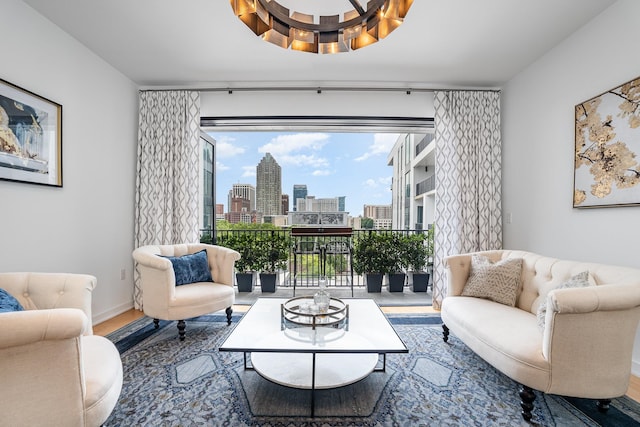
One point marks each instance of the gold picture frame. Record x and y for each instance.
(30, 137)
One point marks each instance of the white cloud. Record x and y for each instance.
(382, 144)
(220, 167)
(282, 145)
(321, 173)
(303, 160)
(383, 182)
(226, 148)
(248, 171)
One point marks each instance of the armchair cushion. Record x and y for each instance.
(498, 281)
(192, 268)
(8, 302)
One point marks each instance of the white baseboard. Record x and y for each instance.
(101, 317)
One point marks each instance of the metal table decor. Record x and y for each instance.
(303, 311)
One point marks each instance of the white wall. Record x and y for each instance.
(538, 146)
(87, 225)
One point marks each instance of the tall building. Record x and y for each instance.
(268, 186)
(342, 203)
(246, 191)
(299, 192)
(285, 204)
(381, 214)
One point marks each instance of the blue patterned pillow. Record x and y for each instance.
(191, 268)
(8, 302)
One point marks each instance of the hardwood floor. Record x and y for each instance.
(129, 316)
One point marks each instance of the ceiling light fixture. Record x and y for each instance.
(359, 27)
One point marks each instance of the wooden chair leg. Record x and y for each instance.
(229, 312)
(527, 396)
(603, 405)
(445, 333)
(181, 328)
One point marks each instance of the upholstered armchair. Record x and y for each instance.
(176, 286)
(53, 370)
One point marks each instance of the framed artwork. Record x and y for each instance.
(607, 146)
(30, 137)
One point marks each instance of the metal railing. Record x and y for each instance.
(424, 143)
(426, 185)
(310, 257)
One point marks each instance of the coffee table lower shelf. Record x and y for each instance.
(297, 369)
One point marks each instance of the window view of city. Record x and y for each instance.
(317, 178)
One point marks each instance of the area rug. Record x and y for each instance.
(189, 383)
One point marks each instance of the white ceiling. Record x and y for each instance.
(200, 43)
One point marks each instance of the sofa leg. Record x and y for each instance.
(156, 323)
(603, 405)
(527, 396)
(181, 327)
(445, 333)
(229, 311)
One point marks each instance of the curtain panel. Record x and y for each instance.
(468, 207)
(167, 180)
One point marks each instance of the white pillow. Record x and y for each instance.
(580, 280)
(498, 281)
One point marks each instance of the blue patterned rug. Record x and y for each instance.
(173, 383)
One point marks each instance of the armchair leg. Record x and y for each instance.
(156, 323)
(527, 396)
(229, 311)
(445, 333)
(181, 327)
(603, 405)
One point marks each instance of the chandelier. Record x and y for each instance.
(360, 27)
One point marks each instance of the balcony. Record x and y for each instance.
(311, 256)
(424, 143)
(426, 185)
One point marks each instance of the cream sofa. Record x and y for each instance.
(585, 348)
(53, 370)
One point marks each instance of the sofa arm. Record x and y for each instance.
(31, 326)
(459, 266)
(594, 298)
(591, 330)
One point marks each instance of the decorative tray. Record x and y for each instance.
(304, 312)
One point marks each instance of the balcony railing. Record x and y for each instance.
(311, 256)
(424, 143)
(426, 185)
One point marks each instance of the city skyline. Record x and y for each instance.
(329, 164)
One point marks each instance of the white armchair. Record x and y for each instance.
(162, 299)
(53, 370)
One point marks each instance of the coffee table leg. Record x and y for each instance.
(313, 385)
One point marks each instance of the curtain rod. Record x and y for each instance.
(318, 89)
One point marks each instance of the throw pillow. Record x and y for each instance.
(8, 302)
(191, 268)
(580, 280)
(498, 281)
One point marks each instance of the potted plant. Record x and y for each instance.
(371, 258)
(393, 248)
(272, 251)
(246, 266)
(415, 257)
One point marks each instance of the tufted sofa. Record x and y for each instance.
(584, 348)
(162, 299)
(53, 370)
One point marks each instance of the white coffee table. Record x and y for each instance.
(305, 358)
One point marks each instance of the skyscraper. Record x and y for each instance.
(268, 186)
(299, 192)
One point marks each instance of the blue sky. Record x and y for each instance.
(330, 164)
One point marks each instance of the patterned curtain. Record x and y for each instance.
(167, 181)
(468, 210)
